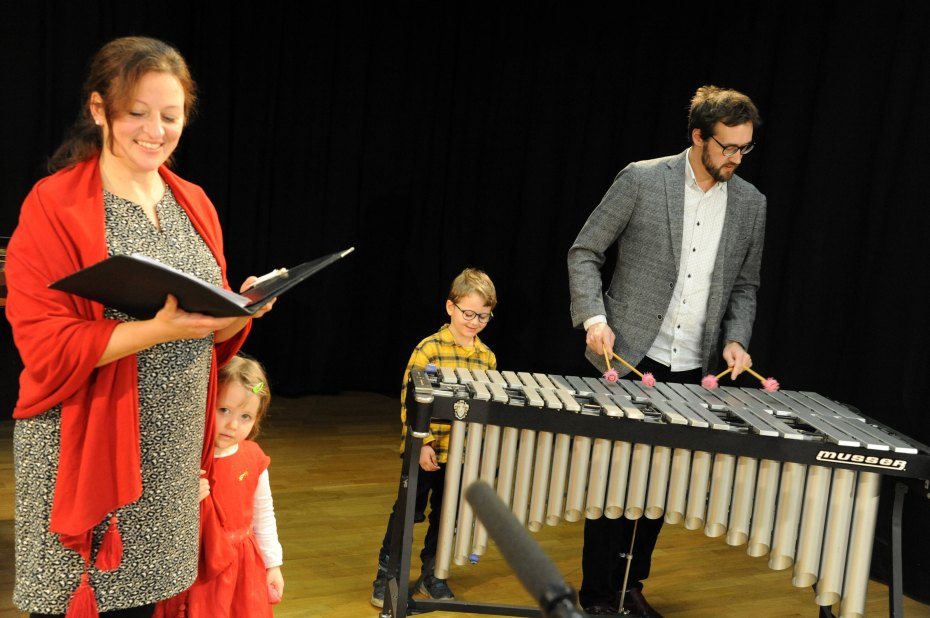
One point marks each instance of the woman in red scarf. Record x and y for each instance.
(112, 428)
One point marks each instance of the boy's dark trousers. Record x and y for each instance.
(429, 487)
(605, 539)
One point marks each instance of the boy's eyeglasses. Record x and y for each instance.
(470, 315)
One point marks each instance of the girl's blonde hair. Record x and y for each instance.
(249, 373)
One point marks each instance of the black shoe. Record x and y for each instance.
(636, 603)
(433, 587)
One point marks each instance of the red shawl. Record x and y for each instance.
(61, 337)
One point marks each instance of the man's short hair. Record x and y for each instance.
(711, 104)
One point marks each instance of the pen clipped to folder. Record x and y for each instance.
(283, 275)
(267, 277)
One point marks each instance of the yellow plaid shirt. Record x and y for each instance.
(442, 350)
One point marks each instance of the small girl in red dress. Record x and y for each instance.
(242, 494)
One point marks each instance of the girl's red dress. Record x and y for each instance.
(239, 591)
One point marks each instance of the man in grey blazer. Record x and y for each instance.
(689, 236)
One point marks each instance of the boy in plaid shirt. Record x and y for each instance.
(471, 300)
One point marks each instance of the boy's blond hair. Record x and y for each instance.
(472, 280)
(248, 373)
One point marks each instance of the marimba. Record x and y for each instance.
(793, 475)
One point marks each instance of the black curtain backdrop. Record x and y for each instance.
(433, 136)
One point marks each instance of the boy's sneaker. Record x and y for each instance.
(377, 591)
(434, 588)
(380, 584)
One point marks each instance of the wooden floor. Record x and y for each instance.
(334, 476)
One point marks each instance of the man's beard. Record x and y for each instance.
(719, 174)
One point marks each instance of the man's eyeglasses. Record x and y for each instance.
(470, 315)
(729, 151)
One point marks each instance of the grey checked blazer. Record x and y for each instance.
(644, 212)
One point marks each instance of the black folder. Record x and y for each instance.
(138, 285)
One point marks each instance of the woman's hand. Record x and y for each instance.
(238, 324)
(175, 323)
(267, 306)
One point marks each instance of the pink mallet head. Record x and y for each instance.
(649, 379)
(710, 381)
(611, 375)
(770, 384)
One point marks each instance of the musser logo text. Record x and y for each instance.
(869, 461)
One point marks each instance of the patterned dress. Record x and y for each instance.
(160, 530)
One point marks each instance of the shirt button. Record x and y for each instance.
(671, 286)
(693, 249)
(659, 317)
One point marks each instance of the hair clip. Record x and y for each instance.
(259, 388)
